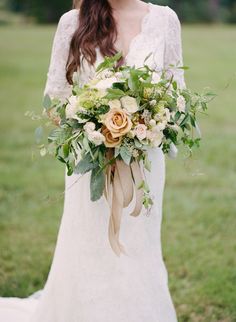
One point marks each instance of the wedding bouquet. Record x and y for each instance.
(107, 126)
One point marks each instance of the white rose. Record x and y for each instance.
(96, 137)
(114, 103)
(181, 103)
(129, 104)
(89, 127)
(140, 131)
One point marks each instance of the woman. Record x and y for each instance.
(87, 281)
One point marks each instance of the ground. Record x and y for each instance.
(198, 232)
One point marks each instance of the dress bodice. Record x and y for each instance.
(160, 36)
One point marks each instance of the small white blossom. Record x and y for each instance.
(152, 122)
(135, 153)
(153, 102)
(181, 103)
(96, 137)
(89, 127)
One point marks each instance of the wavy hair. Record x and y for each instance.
(97, 28)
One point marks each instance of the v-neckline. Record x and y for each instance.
(134, 39)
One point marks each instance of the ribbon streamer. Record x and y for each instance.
(121, 186)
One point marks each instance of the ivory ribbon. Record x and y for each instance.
(120, 188)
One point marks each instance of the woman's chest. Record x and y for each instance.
(147, 47)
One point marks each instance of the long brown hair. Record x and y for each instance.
(97, 28)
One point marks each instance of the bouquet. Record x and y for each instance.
(107, 126)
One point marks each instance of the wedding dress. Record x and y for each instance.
(87, 281)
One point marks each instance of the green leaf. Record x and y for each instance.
(109, 62)
(117, 152)
(114, 93)
(97, 184)
(66, 150)
(184, 67)
(86, 164)
(47, 103)
(38, 134)
(125, 155)
(174, 84)
(147, 164)
(185, 120)
(133, 80)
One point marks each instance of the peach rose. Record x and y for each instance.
(110, 141)
(117, 122)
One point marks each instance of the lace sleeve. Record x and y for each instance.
(56, 84)
(173, 47)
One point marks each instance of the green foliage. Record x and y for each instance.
(97, 183)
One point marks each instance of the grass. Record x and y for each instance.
(199, 221)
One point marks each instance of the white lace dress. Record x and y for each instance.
(87, 281)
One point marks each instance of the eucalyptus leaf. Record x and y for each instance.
(97, 184)
(114, 93)
(47, 103)
(125, 154)
(86, 164)
(38, 134)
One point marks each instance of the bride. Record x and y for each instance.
(87, 281)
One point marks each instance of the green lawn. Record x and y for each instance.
(199, 222)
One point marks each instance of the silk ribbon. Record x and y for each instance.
(121, 186)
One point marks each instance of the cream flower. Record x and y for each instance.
(117, 122)
(140, 131)
(181, 103)
(114, 103)
(89, 127)
(129, 104)
(96, 137)
(152, 122)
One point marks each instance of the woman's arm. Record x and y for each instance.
(56, 84)
(173, 47)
